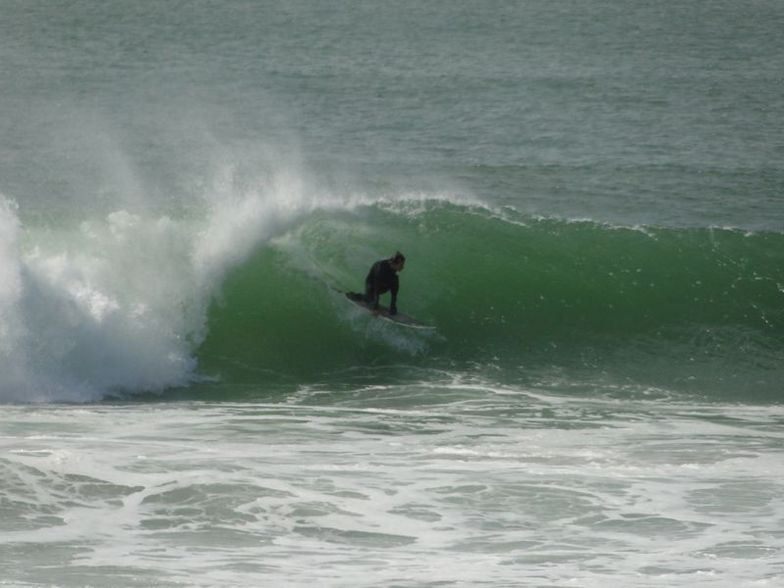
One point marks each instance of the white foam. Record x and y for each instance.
(556, 489)
(11, 329)
(120, 303)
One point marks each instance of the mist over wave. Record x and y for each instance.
(119, 302)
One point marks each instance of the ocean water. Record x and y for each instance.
(590, 195)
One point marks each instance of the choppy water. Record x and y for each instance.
(417, 485)
(590, 198)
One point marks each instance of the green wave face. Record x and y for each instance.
(701, 309)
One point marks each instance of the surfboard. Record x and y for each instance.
(399, 318)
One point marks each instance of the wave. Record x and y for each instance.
(242, 291)
(687, 307)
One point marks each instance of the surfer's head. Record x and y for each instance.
(398, 261)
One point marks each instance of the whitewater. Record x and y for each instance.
(589, 197)
(120, 302)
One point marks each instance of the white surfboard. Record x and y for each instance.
(399, 318)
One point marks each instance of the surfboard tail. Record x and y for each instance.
(355, 296)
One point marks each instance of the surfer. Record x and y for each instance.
(383, 278)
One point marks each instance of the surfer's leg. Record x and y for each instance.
(368, 291)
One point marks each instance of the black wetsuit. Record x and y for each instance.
(380, 279)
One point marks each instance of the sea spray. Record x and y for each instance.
(119, 303)
(98, 308)
(11, 328)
